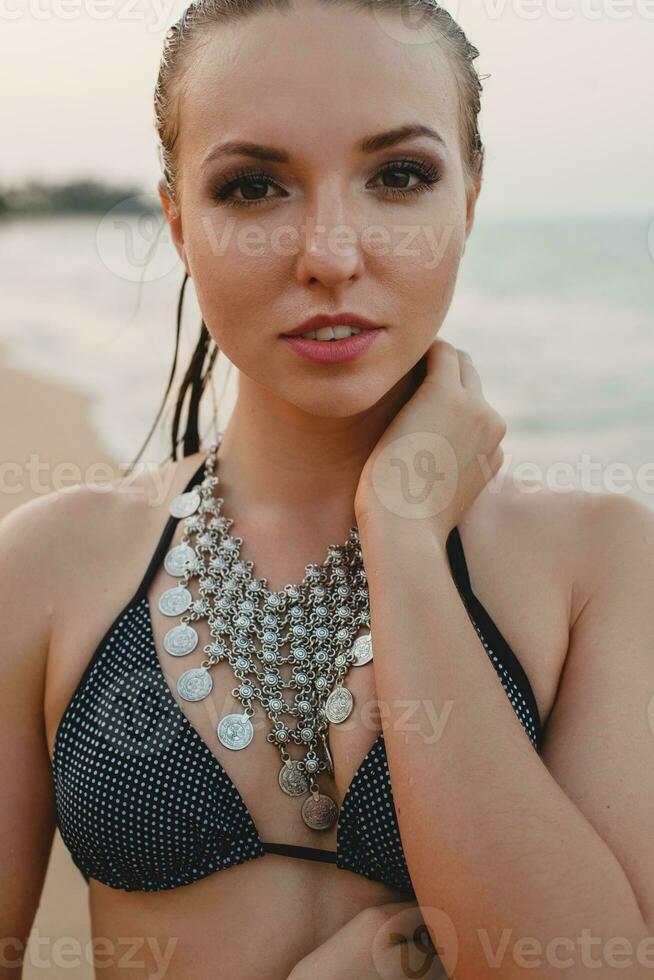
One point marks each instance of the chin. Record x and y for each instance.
(334, 401)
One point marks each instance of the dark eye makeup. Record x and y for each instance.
(251, 178)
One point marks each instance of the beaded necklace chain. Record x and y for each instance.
(316, 621)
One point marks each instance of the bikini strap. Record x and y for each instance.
(478, 612)
(165, 538)
(457, 560)
(300, 851)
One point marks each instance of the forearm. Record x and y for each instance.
(490, 837)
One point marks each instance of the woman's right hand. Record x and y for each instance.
(446, 437)
(383, 942)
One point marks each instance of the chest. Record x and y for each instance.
(534, 627)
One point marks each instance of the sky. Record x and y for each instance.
(566, 113)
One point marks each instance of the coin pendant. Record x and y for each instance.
(235, 731)
(319, 811)
(339, 704)
(362, 648)
(291, 780)
(180, 640)
(177, 558)
(184, 504)
(195, 684)
(174, 601)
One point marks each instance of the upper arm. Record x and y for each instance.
(27, 815)
(599, 739)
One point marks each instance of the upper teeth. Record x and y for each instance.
(331, 333)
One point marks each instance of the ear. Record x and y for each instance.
(174, 219)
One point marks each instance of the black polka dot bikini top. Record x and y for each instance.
(143, 804)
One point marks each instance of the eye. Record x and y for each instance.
(251, 182)
(402, 169)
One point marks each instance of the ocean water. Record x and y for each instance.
(558, 316)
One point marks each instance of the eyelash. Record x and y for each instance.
(429, 175)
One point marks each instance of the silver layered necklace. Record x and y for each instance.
(317, 621)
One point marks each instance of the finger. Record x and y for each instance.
(494, 462)
(443, 363)
(498, 458)
(469, 375)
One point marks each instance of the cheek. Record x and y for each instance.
(425, 265)
(233, 273)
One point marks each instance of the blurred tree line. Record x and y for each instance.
(36, 197)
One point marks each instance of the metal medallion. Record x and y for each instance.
(180, 640)
(362, 648)
(291, 780)
(185, 504)
(195, 684)
(339, 704)
(235, 731)
(174, 601)
(319, 811)
(177, 558)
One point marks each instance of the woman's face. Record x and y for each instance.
(334, 227)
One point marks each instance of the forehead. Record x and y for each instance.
(315, 78)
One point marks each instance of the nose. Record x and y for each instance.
(331, 251)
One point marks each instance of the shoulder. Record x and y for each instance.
(614, 538)
(52, 527)
(48, 541)
(584, 536)
(531, 528)
(27, 546)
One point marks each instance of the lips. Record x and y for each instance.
(333, 320)
(333, 351)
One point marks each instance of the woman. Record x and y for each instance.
(324, 159)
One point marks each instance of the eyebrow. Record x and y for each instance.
(370, 144)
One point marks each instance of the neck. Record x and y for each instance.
(280, 461)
